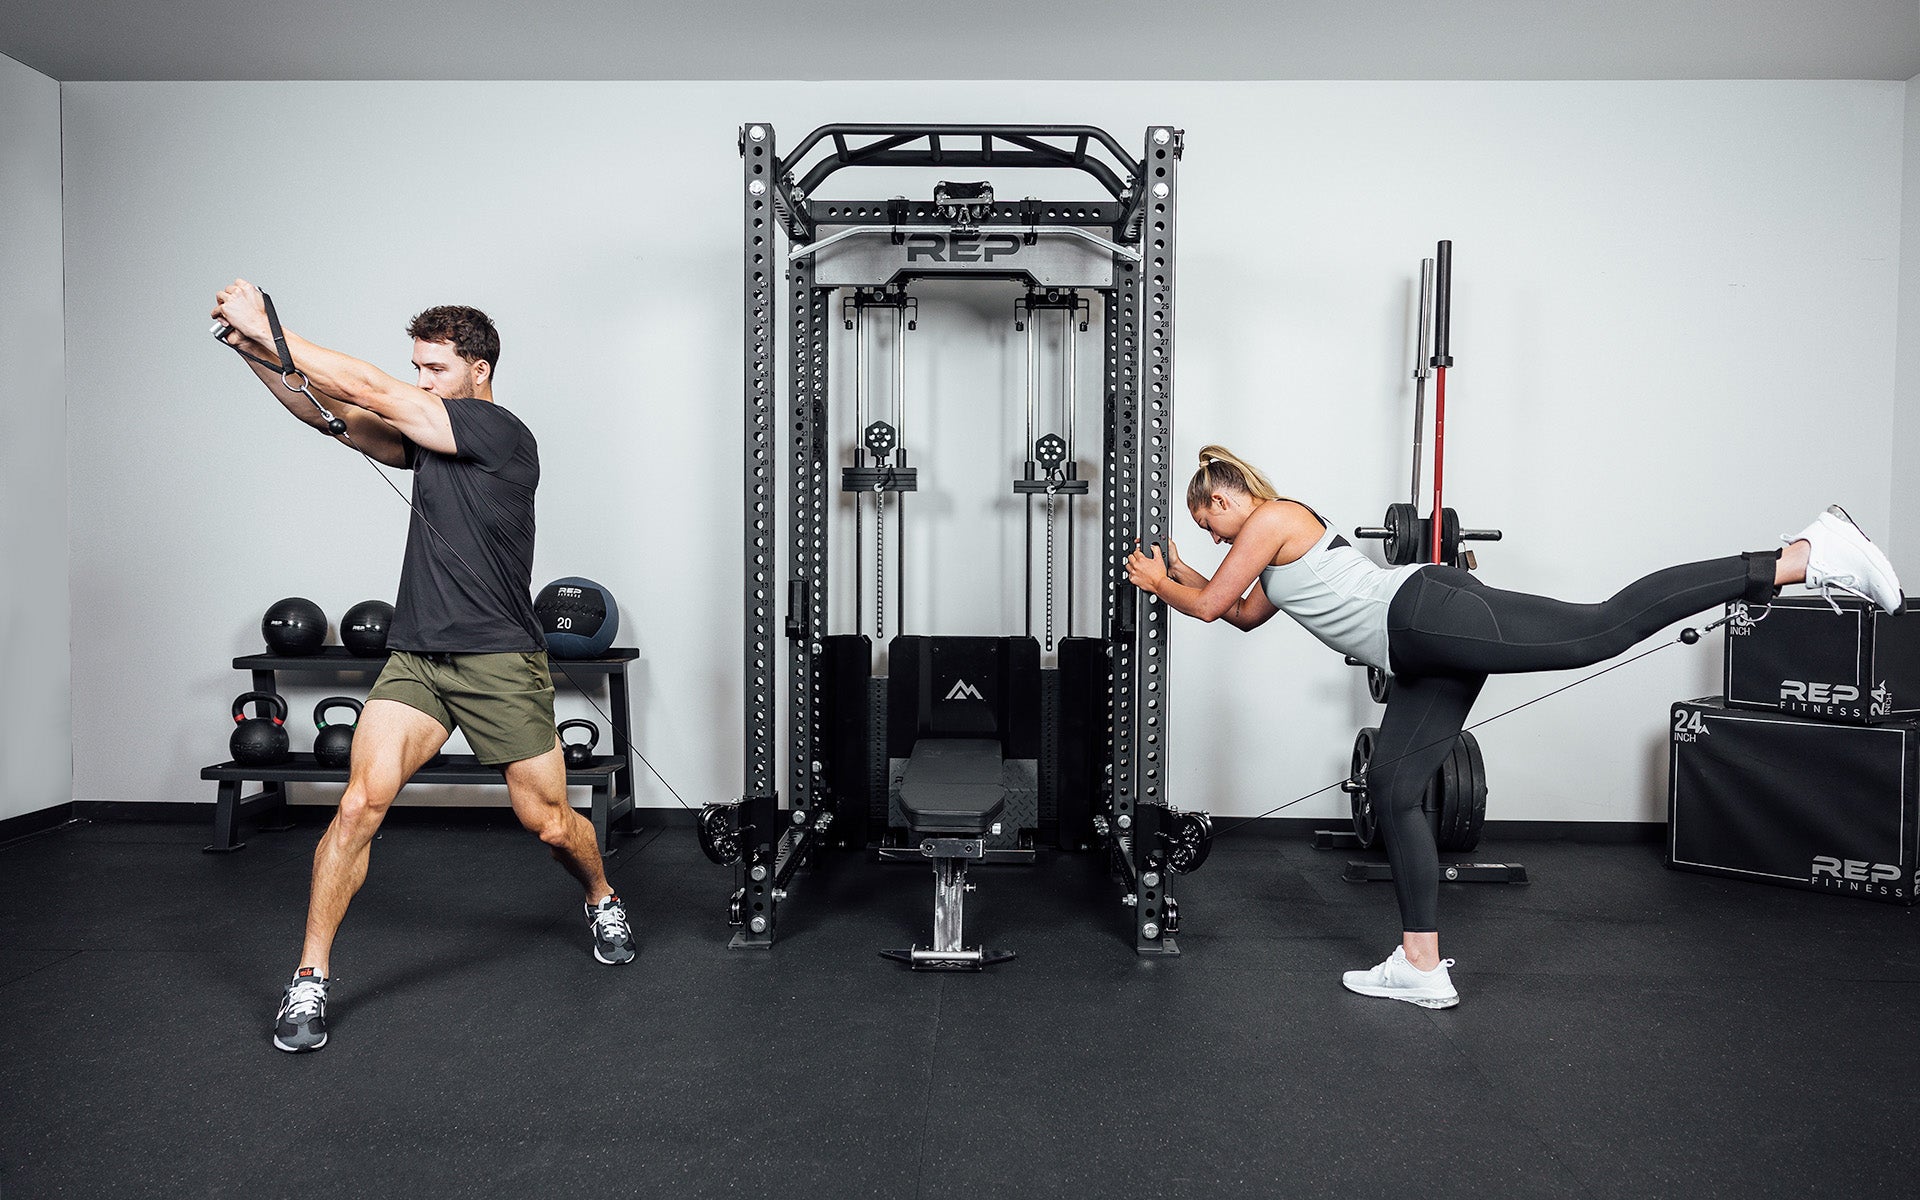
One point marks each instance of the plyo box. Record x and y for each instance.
(1782, 799)
(1858, 665)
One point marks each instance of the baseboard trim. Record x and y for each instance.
(1597, 832)
(187, 812)
(26, 825)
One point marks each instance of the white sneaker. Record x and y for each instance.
(1398, 979)
(1841, 559)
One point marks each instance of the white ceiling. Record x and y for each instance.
(964, 39)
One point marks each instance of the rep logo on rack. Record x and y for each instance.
(960, 247)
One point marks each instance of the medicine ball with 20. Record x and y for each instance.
(578, 616)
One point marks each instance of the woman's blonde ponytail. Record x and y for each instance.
(1223, 470)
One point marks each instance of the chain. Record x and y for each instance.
(879, 562)
(1050, 566)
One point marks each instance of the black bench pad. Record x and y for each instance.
(953, 785)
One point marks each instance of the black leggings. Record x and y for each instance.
(1447, 631)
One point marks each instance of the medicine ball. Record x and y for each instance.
(294, 626)
(260, 741)
(578, 616)
(333, 744)
(363, 631)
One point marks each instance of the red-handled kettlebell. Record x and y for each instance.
(260, 741)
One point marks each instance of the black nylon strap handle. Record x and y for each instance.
(335, 426)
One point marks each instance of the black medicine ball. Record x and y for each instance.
(578, 616)
(363, 631)
(294, 626)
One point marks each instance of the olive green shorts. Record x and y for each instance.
(504, 702)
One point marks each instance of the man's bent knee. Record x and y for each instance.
(360, 814)
(552, 823)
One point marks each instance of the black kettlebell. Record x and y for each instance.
(260, 741)
(579, 754)
(333, 744)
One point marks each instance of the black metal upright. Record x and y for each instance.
(759, 809)
(1152, 388)
(1123, 249)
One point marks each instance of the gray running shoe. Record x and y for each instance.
(302, 1021)
(612, 936)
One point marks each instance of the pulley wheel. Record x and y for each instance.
(718, 839)
(1189, 841)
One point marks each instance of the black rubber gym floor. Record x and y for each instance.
(1624, 1030)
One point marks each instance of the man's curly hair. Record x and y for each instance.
(469, 330)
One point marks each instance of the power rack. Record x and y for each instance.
(907, 767)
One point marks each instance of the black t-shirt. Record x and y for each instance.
(466, 583)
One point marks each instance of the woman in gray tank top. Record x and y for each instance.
(1441, 632)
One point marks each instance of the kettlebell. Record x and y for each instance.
(260, 741)
(579, 754)
(333, 744)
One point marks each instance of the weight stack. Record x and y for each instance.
(1776, 798)
(1858, 666)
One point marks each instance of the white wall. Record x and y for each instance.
(36, 764)
(1905, 548)
(1674, 315)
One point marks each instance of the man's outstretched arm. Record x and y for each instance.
(419, 415)
(365, 430)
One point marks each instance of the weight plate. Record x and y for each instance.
(1366, 824)
(1448, 785)
(1474, 812)
(1449, 536)
(1403, 526)
(1463, 795)
(1379, 684)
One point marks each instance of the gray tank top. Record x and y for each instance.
(1339, 594)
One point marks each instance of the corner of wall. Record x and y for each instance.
(1904, 542)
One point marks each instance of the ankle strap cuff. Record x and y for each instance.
(1761, 567)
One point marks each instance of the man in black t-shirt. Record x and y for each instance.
(466, 648)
